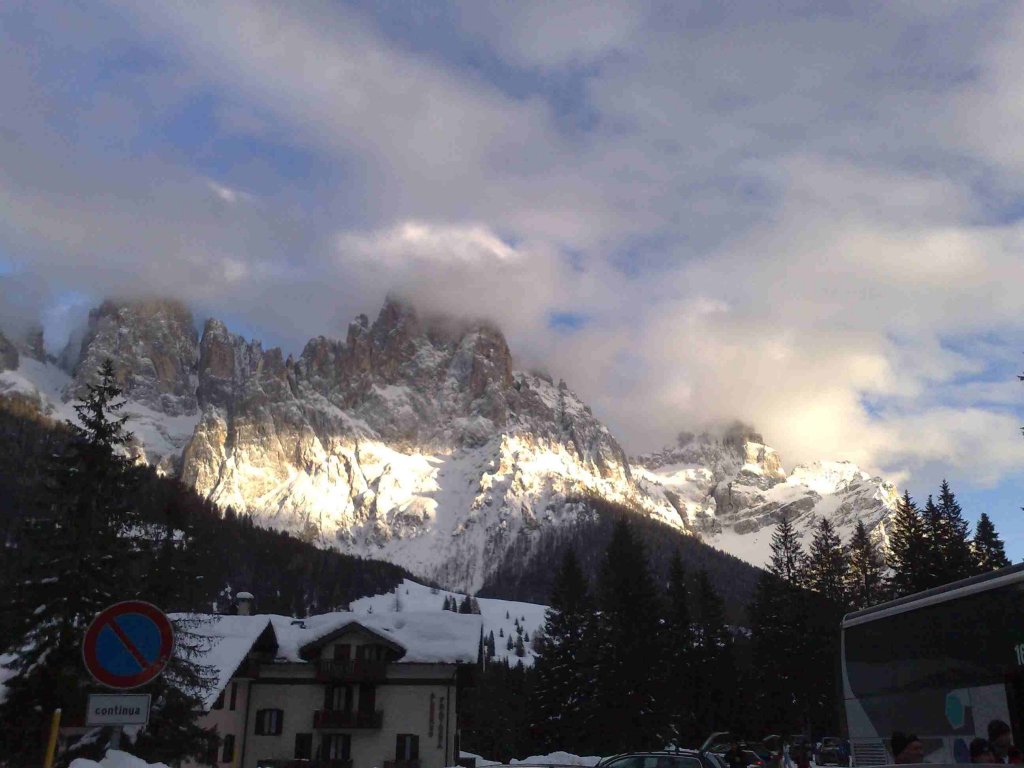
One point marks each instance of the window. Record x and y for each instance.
(340, 698)
(337, 746)
(219, 703)
(269, 722)
(407, 747)
(228, 753)
(234, 696)
(303, 746)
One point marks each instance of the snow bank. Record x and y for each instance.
(115, 759)
(559, 758)
(555, 758)
(481, 762)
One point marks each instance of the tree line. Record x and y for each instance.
(631, 663)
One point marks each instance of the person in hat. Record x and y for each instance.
(907, 749)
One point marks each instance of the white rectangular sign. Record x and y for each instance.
(117, 709)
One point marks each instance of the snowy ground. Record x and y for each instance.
(555, 758)
(115, 759)
(500, 616)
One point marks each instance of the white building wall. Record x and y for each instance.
(417, 699)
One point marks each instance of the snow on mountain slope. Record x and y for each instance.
(733, 491)
(159, 438)
(415, 440)
(500, 616)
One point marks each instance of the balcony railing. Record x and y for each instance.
(401, 764)
(351, 670)
(340, 718)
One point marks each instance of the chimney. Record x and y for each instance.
(243, 603)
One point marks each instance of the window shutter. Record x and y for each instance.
(229, 749)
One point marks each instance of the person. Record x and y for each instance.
(981, 751)
(802, 755)
(907, 749)
(733, 757)
(1001, 740)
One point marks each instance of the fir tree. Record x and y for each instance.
(83, 557)
(509, 646)
(562, 690)
(958, 559)
(932, 568)
(788, 561)
(680, 657)
(715, 670)
(908, 549)
(520, 647)
(826, 570)
(989, 553)
(88, 556)
(626, 711)
(779, 617)
(866, 573)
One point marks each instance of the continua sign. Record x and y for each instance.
(117, 709)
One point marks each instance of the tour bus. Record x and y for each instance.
(940, 664)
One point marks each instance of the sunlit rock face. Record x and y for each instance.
(152, 345)
(733, 491)
(416, 440)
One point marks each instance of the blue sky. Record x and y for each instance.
(805, 216)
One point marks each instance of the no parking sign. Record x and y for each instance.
(128, 644)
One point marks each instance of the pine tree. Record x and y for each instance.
(956, 543)
(989, 552)
(908, 549)
(715, 669)
(83, 556)
(681, 657)
(561, 693)
(626, 711)
(866, 573)
(932, 568)
(88, 555)
(826, 570)
(788, 561)
(520, 647)
(509, 646)
(779, 617)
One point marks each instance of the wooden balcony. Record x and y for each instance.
(401, 764)
(351, 671)
(340, 718)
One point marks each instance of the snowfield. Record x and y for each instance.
(499, 616)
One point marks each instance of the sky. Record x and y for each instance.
(806, 216)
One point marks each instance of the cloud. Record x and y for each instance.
(803, 218)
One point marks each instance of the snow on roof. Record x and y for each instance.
(427, 637)
(230, 640)
(244, 596)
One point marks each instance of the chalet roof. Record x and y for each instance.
(421, 637)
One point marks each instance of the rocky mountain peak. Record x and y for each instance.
(153, 346)
(8, 354)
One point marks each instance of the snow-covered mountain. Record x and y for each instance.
(732, 490)
(415, 440)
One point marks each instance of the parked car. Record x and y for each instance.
(679, 758)
(831, 752)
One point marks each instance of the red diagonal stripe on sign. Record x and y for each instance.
(129, 645)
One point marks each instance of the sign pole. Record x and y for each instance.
(51, 745)
(115, 738)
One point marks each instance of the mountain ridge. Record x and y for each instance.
(416, 440)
